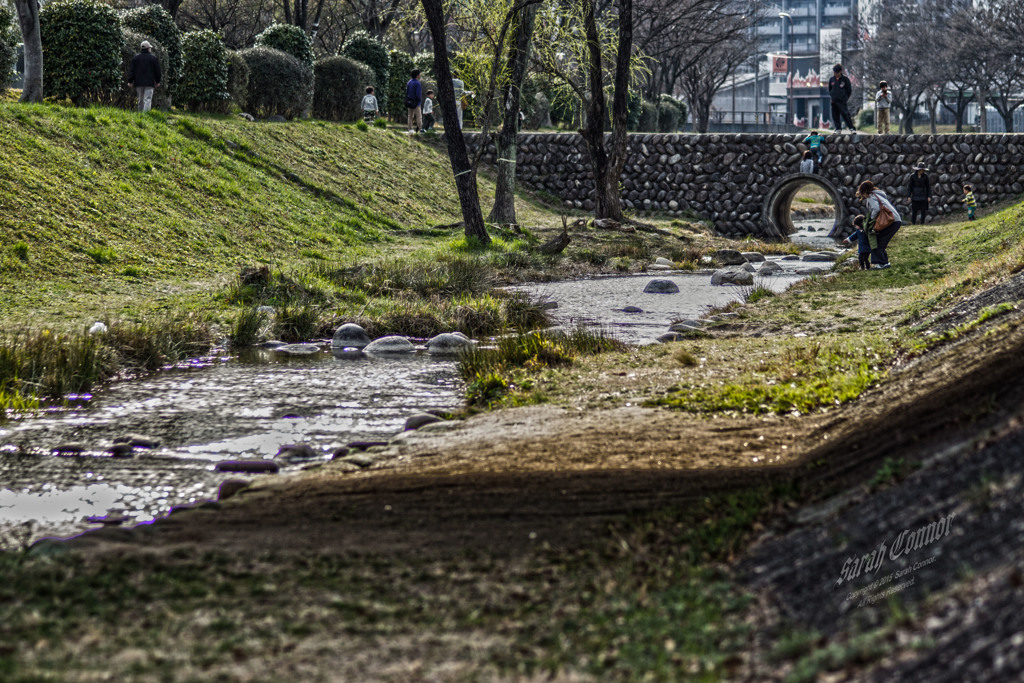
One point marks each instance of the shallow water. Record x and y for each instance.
(248, 407)
(223, 409)
(600, 302)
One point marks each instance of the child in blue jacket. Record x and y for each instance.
(863, 245)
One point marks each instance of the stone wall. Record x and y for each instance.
(735, 181)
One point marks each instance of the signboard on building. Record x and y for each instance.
(780, 64)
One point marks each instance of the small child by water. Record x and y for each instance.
(369, 105)
(863, 245)
(970, 201)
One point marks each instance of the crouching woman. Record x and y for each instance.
(881, 222)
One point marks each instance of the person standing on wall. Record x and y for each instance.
(883, 104)
(839, 90)
(414, 101)
(920, 191)
(144, 75)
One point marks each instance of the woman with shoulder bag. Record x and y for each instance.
(881, 222)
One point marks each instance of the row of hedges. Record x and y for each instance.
(9, 39)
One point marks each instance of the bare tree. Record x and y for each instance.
(237, 21)
(28, 20)
(705, 74)
(905, 53)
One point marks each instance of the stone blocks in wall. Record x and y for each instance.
(727, 177)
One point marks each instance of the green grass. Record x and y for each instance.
(796, 377)
(492, 373)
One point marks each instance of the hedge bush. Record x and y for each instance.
(363, 47)
(279, 84)
(9, 39)
(156, 22)
(204, 72)
(81, 50)
(671, 114)
(424, 61)
(126, 96)
(340, 84)
(648, 117)
(401, 66)
(289, 39)
(238, 79)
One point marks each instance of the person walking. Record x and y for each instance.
(459, 86)
(970, 201)
(839, 90)
(370, 111)
(144, 75)
(881, 222)
(883, 104)
(428, 111)
(919, 190)
(414, 101)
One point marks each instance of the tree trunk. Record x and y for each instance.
(465, 178)
(620, 112)
(607, 167)
(28, 18)
(596, 113)
(504, 209)
(982, 112)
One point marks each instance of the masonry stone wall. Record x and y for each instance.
(735, 180)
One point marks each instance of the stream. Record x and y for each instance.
(247, 406)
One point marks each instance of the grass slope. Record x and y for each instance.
(100, 188)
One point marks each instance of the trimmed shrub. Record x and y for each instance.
(401, 66)
(667, 122)
(9, 39)
(238, 79)
(204, 74)
(156, 22)
(279, 84)
(362, 47)
(81, 50)
(634, 110)
(126, 96)
(648, 117)
(340, 84)
(670, 112)
(289, 39)
(424, 61)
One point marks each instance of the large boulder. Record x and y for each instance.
(729, 257)
(820, 256)
(350, 335)
(732, 276)
(753, 256)
(390, 344)
(770, 268)
(661, 287)
(449, 344)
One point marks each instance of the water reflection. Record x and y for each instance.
(245, 407)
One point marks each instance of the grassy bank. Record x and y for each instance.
(131, 220)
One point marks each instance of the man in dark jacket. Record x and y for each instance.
(144, 75)
(920, 191)
(414, 101)
(840, 89)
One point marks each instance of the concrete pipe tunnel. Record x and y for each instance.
(777, 212)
